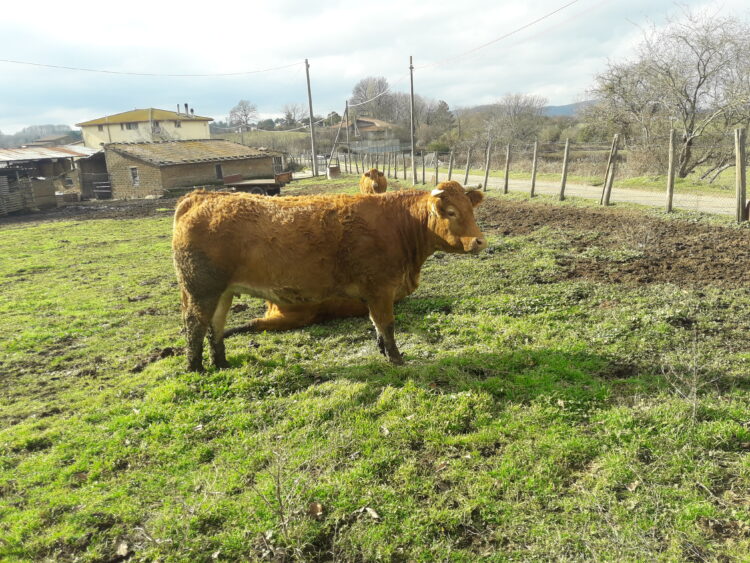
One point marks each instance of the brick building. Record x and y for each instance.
(140, 169)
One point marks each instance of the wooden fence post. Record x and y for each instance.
(468, 161)
(609, 166)
(507, 168)
(740, 178)
(611, 178)
(450, 166)
(533, 168)
(436, 169)
(404, 159)
(564, 177)
(421, 153)
(487, 165)
(670, 171)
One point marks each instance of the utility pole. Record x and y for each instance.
(312, 126)
(348, 146)
(411, 113)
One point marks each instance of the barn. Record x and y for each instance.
(138, 170)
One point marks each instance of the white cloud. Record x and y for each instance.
(345, 41)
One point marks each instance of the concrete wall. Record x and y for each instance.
(115, 133)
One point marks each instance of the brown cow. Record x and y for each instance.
(311, 250)
(373, 182)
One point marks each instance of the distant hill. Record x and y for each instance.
(549, 111)
(569, 109)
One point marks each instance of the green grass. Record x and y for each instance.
(537, 417)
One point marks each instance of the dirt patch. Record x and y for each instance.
(109, 209)
(652, 250)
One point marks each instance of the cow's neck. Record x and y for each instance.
(417, 240)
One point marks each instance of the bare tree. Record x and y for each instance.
(517, 117)
(242, 114)
(293, 114)
(372, 93)
(692, 74)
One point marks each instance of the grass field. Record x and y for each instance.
(559, 402)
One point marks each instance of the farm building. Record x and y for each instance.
(32, 175)
(144, 125)
(52, 141)
(141, 169)
(371, 135)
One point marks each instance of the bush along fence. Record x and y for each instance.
(646, 175)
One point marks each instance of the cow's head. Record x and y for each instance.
(452, 222)
(373, 174)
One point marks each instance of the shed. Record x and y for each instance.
(140, 169)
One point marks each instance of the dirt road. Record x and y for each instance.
(692, 202)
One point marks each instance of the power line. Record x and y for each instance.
(504, 36)
(103, 71)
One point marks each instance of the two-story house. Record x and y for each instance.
(144, 125)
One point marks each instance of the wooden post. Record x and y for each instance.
(348, 144)
(423, 167)
(533, 168)
(507, 168)
(312, 125)
(740, 178)
(436, 168)
(609, 165)
(404, 161)
(487, 165)
(411, 125)
(468, 161)
(564, 176)
(670, 171)
(450, 166)
(611, 178)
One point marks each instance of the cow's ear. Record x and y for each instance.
(380, 174)
(367, 173)
(475, 197)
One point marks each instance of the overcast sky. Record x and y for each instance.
(344, 42)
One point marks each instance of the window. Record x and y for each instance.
(178, 123)
(157, 127)
(134, 176)
(219, 172)
(131, 126)
(100, 127)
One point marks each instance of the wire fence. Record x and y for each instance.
(608, 173)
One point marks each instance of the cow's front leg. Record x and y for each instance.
(381, 314)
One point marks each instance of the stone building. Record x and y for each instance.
(138, 170)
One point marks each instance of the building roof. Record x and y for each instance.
(44, 153)
(369, 124)
(166, 153)
(141, 115)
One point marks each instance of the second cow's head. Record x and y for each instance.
(379, 182)
(452, 220)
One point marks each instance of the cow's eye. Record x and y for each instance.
(451, 213)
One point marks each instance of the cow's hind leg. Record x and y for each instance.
(381, 314)
(202, 285)
(216, 330)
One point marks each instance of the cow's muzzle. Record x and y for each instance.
(477, 245)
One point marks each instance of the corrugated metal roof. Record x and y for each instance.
(44, 153)
(140, 115)
(164, 153)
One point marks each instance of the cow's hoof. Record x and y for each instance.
(397, 360)
(196, 367)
